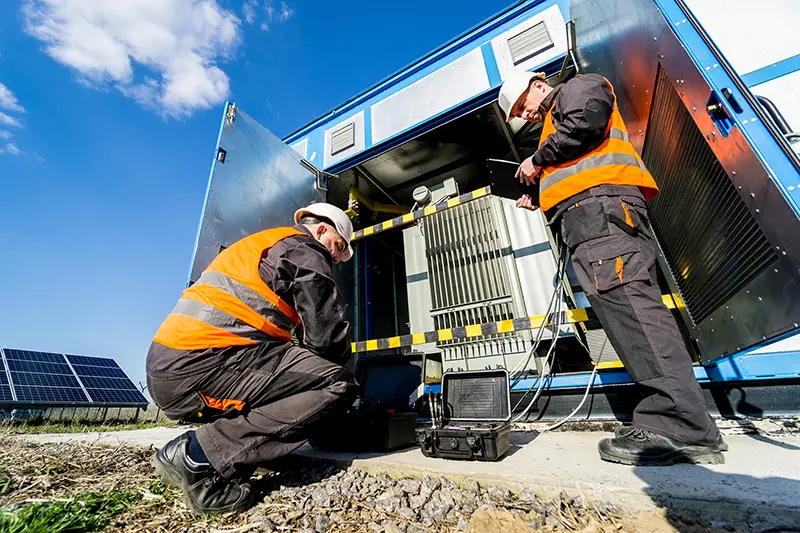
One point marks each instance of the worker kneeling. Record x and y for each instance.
(593, 187)
(225, 357)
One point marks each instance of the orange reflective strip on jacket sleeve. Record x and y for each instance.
(224, 404)
(230, 304)
(182, 332)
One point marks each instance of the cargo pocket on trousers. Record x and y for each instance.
(617, 263)
(583, 222)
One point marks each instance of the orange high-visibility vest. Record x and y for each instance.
(230, 305)
(614, 162)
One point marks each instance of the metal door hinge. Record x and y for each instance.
(322, 177)
(221, 155)
(230, 115)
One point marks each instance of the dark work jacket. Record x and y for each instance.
(299, 269)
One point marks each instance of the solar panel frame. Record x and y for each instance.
(104, 380)
(43, 377)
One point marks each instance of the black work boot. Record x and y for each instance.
(168, 460)
(640, 447)
(204, 489)
(720, 444)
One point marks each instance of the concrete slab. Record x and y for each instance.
(155, 436)
(759, 481)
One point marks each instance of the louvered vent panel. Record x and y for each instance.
(343, 138)
(530, 42)
(709, 237)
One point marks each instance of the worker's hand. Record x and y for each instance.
(527, 171)
(526, 202)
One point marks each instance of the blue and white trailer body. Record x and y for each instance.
(710, 93)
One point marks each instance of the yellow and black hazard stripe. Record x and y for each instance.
(571, 316)
(408, 218)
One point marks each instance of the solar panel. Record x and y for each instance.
(43, 377)
(104, 380)
(50, 379)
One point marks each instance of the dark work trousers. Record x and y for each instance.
(284, 392)
(614, 257)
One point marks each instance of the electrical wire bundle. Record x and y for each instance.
(554, 309)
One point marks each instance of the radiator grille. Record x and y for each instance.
(469, 278)
(710, 239)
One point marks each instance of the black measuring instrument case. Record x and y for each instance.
(475, 421)
(383, 420)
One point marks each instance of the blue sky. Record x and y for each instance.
(109, 113)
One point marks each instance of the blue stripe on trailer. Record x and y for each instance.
(490, 62)
(773, 71)
(487, 29)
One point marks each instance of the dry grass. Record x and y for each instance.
(78, 426)
(55, 472)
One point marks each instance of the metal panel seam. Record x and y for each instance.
(208, 192)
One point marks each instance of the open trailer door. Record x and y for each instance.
(257, 181)
(726, 219)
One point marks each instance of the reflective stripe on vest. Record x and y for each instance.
(230, 305)
(614, 162)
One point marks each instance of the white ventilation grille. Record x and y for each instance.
(530, 42)
(343, 138)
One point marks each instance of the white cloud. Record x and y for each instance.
(12, 149)
(9, 121)
(160, 53)
(249, 10)
(8, 101)
(286, 12)
(270, 13)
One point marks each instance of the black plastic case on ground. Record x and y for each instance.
(477, 410)
(383, 420)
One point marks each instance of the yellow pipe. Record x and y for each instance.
(357, 197)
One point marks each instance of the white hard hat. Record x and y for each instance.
(514, 86)
(340, 221)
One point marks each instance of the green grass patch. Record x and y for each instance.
(82, 514)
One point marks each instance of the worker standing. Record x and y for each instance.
(255, 351)
(592, 187)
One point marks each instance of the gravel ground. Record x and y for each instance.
(308, 496)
